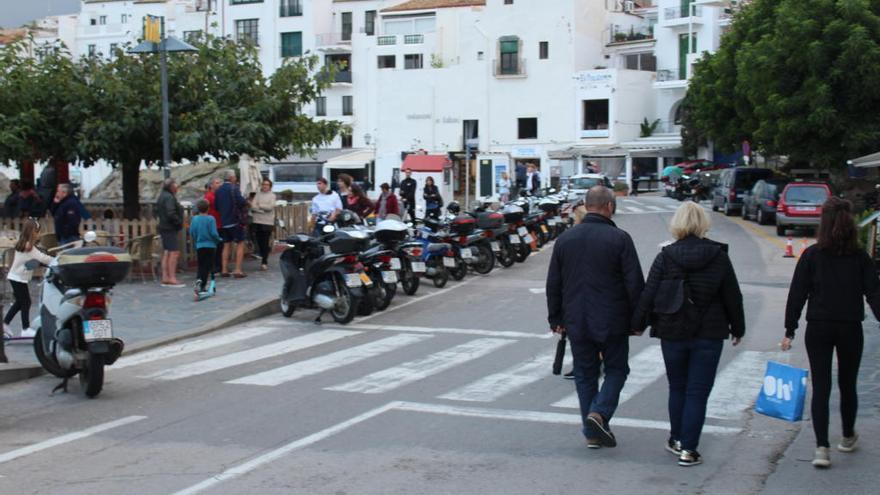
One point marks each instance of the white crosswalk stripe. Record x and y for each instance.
(406, 373)
(738, 384)
(251, 355)
(330, 361)
(500, 384)
(191, 346)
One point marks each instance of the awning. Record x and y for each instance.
(426, 163)
(867, 161)
(353, 159)
(319, 156)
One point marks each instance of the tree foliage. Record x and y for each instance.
(795, 78)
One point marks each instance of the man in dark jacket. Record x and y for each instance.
(10, 205)
(170, 215)
(66, 212)
(408, 195)
(593, 286)
(230, 204)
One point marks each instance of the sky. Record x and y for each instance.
(14, 13)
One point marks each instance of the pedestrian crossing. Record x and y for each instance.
(654, 206)
(736, 388)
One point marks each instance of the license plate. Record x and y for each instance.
(449, 262)
(514, 239)
(804, 208)
(544, 229)
(389, 277)
(97, 330)
(495, 246)
(327, 250)
(466, 254)
(395, 264)
(418, 266)
(551, 222)
(528, 239)
(353, 280)
(365, 279)
(522, 231)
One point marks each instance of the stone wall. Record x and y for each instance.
(190, 178)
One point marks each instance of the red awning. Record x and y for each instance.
(426, 163)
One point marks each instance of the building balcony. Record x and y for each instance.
(343, 76)
(508, 69)
(633, 34)
(406, 39)
(333, 42)
(101, 30)
(671, 78)
(682, 16)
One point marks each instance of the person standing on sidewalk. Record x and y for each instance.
(408, 188)
(343, 187)
(387, 203)
(593, 286)
(433, 200)
(230, 204)
(170, 214)
(834, 278)
(20, 275)
(263, 211)
(203, 231)
(696, 274)
(210, 189)
(66, 212)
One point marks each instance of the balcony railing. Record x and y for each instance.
(248, 38)
(618, 35)
(331, 39)
(507, 69)
(682, 12)
(669, 75)
(386, 40)
(343, 76)
(413, 39)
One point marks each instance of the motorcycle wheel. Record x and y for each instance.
(522, 252)
(383, 294)
(343, 313)
(507, 256)
(287, 308)
(46, 362)
(91, 379)
(441, 277)
(459, 271)
(409, 281)
(487, 260)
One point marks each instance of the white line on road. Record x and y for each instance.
(736, 388)
(406, 373)
(417, 299)
(460, 331)
(190, 346)
(645, 368)
(499, 384)
(70, 437)
(656, 208)
(632, 209)
(251, 355)
(542, 290)
(330, 361)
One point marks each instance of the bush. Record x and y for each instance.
(620, 186)
(286, 195)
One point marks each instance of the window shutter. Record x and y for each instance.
(509, 46)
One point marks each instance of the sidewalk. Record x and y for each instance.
(147, 314)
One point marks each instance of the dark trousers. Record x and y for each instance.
(22, 303)
(821, 339)
(205, 257)
(589, 359)
(433, 213)
(218, 259)
(410, 206)
(690, 368)
(262, 234)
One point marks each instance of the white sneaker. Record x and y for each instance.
(28, 333)
(822, 458)
(848, 444)
(7, 332)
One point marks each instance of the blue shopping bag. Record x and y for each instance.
(783, 392)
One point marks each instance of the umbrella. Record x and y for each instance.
(672, 170)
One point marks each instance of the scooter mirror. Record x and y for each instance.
(328, 229)
(90, 236)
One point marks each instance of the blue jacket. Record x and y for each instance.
(203, 230)
(229, 202)
(594, 281)
(67, 218)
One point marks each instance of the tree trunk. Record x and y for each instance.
(26, 171)
(131, 206)
(62, 171)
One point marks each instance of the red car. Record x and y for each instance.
(800, 206)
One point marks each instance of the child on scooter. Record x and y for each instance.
(203, 230)
(20, 275)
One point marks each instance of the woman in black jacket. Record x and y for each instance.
(693, 303)
(433, 200)
(835, 276)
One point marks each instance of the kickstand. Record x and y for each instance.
(61, 386)
(320, 314)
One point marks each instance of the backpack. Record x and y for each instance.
(675, 315)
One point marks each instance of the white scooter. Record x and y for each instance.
(74, 334)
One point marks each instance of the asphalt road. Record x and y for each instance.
(448, 391)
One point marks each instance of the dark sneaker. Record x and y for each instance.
(594, 443)
(689, 458)
(605, 436)
(673, 446)
(569, 375)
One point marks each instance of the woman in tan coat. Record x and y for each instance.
(263, 211)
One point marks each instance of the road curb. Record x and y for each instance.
(258, 309)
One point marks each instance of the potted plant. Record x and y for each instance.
(621, 188)
(619, 36)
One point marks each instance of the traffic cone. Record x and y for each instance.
(789, 249)
(803, 246)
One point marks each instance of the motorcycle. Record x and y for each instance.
(517, 233)
(392, 235)
(436, 255)
(74, 332)
(470, 246)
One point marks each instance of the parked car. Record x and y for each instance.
(581, 183)
(732, 186)
(760, 202)
(800, 205)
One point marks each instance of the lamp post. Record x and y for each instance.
(155, 41)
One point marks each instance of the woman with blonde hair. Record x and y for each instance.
(693, 303)
(20, 275)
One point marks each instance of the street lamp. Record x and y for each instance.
(155, 41)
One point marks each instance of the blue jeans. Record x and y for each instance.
(690, 368)
(589, 357)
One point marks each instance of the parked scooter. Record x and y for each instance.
(74, 332)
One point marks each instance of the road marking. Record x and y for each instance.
(631, 201)
(538, 291)
(656, 208)
(406, 373)
(736, 387)
(633, 209)
(499, 384)
(70, 437)
(645, 368)
(330, 361)
(459, 331)
(251, 355)
(190, 346)
(756, 230)
(418, 299)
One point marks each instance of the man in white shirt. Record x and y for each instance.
(533, 179)
(325, 202)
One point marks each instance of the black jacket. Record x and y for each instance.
(408, 189)
(594, 281)
(432, 194)
(713, 289)
(169, 212)
(835, 287)
(67, 218)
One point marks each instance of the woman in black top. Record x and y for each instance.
(433, 200)
(693, 303)
(835, 276)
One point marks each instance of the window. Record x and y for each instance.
(113, 47)
(291, 44)
(123, 18)
(387, 61)
(248, 30)
(93, 50)
(347, 105)
(595, 120)
(640, 61)
(409, 25)
(306, 172)
(346, 26)
(290, 8)
(102, 20)
(509, 48)
(370, 22)
(321, 106)
(544, 50)
(508, 2)
(93, 22)
(346, 140)
(412, 61)
(527, 128)
(192, 36)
